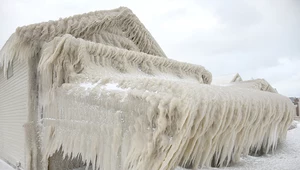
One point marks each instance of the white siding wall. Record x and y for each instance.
(13, 113)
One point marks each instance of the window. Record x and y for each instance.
(10, 70)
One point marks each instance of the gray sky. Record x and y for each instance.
(256, 38)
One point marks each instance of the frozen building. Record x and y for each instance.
(97, 90)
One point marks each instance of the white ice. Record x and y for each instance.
(108, 86)
(286, 157)
(5, 166)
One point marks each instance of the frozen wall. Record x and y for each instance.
(13, 113)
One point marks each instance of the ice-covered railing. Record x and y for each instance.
(122, 109)
(27, 40)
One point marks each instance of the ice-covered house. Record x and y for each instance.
(20, 56)
(97, 90)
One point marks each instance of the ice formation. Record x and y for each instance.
(164, 118)
(100, 26)
(258, 84)
(109, 96)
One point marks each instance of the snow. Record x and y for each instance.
(114, 86)
(5, 166)
(108, 86)
(88, 85)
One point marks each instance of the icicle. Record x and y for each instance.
(116, 105)
(141, 115)
(29, 39)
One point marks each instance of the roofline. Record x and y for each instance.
(88, 23)
(27, 40)
(61, 46)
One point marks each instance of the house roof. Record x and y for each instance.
(29, 39)
(225, 79)
(258, 84)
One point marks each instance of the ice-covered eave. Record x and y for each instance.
(28, 40)
(258, 84)
(89, 23)
(14, 49)
(69, 48)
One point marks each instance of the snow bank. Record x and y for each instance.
(128, 110)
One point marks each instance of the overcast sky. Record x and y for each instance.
(256, 38)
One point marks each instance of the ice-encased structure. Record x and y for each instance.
(108, 95)
(129, 110)
(258, 84)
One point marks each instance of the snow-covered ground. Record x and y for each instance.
(286, 157)
(5, 166)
